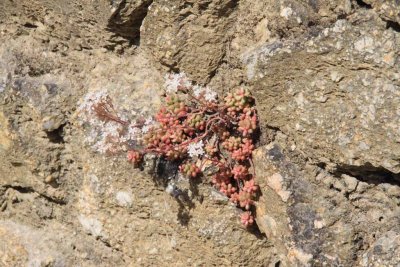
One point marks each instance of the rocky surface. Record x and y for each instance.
(315, 218)
(388, 11)
(326, 80)
(343, 113)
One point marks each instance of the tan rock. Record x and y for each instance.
(12, 251)
(5, 135)
(275, 181)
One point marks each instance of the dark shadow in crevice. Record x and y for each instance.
(255, 229)
(30, 25)
(362, 4)
(30, 190)
(393, 25)
(369, 174)
(165, 173)
(342, 16)
(21, 189)
(129, 28)
(56, 136)
(228, 8)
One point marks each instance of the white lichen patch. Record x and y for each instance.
(365, 43)
(319, 224)
(286, 12)
(123, 198)
(91, 225)
(298, 255)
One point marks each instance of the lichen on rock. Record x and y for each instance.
(325, 75)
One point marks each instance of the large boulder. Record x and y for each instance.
(335, 95)
(314, 218)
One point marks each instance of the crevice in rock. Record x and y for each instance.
(166, 172)
(322, 165)
(30, 25)
(393, 25)
(334, 188)
(56, 136)
(228, 8)
(368, 173)
(106, 243)
(342, 16)
(129, 28)
(273, 129)
(30, 190)
(53, 200)
(255, 230)
(362, 4)
(20, 189)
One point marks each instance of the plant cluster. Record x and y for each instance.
(199, 130)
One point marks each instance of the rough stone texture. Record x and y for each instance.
(189, 36)
(341, 108)
(271, 20)
(385, 251)
(22, 245)
(127, 17)
(325, 75)
(66, 196)
(317, 219)
(389, 10)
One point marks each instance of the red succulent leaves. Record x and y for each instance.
(190, 170)
(135, 157)
(188, 121)
(247, 219)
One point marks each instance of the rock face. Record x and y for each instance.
(343, 113)
(315, 218)
(325, 75)
(189, 36)
(388, 11)
(127, 17)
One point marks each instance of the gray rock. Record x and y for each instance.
(385, 251)
(326, 79)
(348, 121)
(320, 223)
(389, 10)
